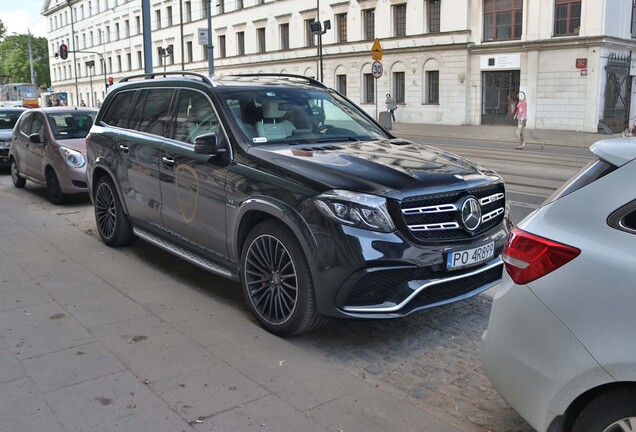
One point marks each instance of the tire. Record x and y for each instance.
(612, 411)
(277, 282)
(18, 180)
(53, 189)
(112, 223)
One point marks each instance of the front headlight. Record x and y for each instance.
(356, 209)
(5, 144)
(72, 157)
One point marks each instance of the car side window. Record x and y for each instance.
(38, 125)
(25, 123)
(117, 112)
(155, 118)
(195, 116)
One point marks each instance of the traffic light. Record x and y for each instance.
(110, 81)
(63, 52)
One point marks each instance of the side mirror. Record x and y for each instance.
(36, 138)
(210, 144)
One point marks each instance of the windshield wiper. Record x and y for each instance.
(339, 139)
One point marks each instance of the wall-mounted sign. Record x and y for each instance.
(581, 63)
(583, 72)
(500, 61)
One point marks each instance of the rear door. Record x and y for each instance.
(193, 185)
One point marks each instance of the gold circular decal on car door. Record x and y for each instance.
(187, 183)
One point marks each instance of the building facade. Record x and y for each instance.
(452, 62)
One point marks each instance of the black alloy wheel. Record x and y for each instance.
(53, 189)
(112, 224)
(277, 281)
(18, 180)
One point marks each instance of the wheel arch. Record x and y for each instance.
(578, 404)
(259, 209)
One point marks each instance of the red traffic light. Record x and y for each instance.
(63, 52)
(110, 81)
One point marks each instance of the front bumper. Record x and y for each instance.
(535, 363)
(365, 274)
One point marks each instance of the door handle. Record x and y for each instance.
(123, 148)
(168, 160)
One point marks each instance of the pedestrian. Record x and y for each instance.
(512, 109)
(521, 114)
(82, 104)
(99, 103)
(391, 106)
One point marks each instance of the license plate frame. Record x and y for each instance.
(461, 258)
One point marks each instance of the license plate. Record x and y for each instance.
(466, 257)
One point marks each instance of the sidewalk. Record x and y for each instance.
(501, 133)
(133, 340)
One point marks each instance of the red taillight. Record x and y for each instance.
(528, 257)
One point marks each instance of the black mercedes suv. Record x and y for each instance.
(285, 185)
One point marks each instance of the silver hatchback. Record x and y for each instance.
(48, 147)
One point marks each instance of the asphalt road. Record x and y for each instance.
(430, 358)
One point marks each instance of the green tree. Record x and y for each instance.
(3, 30)
(14, 59)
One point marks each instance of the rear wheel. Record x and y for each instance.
(277, 282)
(112, 223)
(18, 180)
(53, 189)
(612, 411)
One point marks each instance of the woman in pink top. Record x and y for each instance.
(522, 116)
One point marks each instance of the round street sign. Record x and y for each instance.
(376, 69)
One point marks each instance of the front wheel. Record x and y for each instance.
(53, 188)
(612, 411)
(277, 282)
(18, 180)
(112, 223)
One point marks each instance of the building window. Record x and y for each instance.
(158, 19)
(221, 6)
(368, 23)
(138, 24)
(204, 9)
(171, 54)
(341, 27)
(284, 36)
(260, 39)
(341, 84)
(239, 4)
(434, 16)
(188, 11)
(107, 35)
(369, 89)
(169, 15)
(567, 17)
(222, 52)
(399, 87)
(310, 37)
(126, 29)
(116, 31)
(189, 52)
(240, 43)
(260, 2)
(399, 20)
(128, 61)
(432, 87)
(633, 18)
(502, 19)
(140, 61)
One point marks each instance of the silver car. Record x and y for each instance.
(560, 341)
(49, 148)
(8, 118)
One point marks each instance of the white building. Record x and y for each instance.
(445, 61)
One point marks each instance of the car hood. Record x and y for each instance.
(78, 144)
(392, 167)
(5, 134)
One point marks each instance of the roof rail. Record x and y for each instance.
(281, 75)
(154, 75)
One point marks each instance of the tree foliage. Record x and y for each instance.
(14, 59)
(3, 30)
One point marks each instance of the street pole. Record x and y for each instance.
(145, 13)
(210, 47)
(319, 42)
(74, 48)
(33, 80)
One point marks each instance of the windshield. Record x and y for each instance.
(71, 125)
(28, 91)
(8, 119)
(299, 116)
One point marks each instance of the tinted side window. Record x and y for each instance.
(38, 125)
(117, 112)
(195, 116)
(155, 118)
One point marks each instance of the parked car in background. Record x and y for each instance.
(560, 341)
(8, 119)
(48, 147)
(283, 184)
